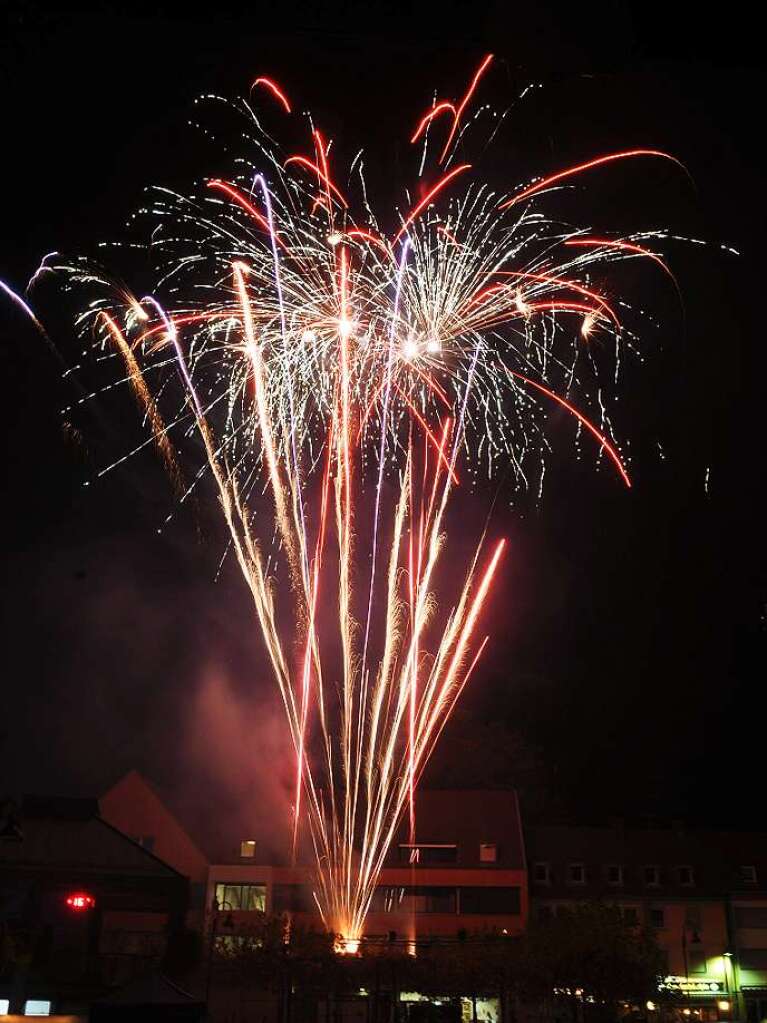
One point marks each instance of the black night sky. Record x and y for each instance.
(630, 628)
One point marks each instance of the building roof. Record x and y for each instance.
(69, 835)
(134, 806)
(468, 818)
(715, 859)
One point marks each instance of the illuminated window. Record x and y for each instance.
(488, 853)
(686, 876)
(542, 873)
(747, 874)
(651, 875)
(576, 873)
(615, 874)
(4, 1006)
(240, 896)
(37, 1007)
(657, 918)
(248, 849)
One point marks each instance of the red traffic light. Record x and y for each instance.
(80, 901)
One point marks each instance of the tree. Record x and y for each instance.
(590, 956)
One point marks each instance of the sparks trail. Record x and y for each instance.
(318, 360)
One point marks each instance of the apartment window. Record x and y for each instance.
(630, 916)
(291, 898)
(489, 901)
(747, 874)
(753, 917)
(488, 852)
(428, 853)
(686, 876)
(614, 874)
(576, 873)
(657, 918)
(248, 849)
(542, 873)
(692, 917)
(651, 876)
(4, 1006)
(240, 896)
(37, 1007)
(696, 961)
(753, 959)
(414, 899)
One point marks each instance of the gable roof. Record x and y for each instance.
(69, 835)
(134, 806)
(468, 818)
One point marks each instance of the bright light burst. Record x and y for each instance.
(323, 353)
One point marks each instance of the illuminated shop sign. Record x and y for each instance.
(694, 985)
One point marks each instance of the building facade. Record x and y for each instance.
(698, 891)
(83, 908)
(463, 872)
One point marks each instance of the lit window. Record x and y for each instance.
(747, 874)
(686, 876)
(576, 873)
(37, 1007)
(542, 873)
(657, 918)
(248, 849)
(4, 1006)
(651, 876)
(488, 853)
(615, 874)
(250, 897)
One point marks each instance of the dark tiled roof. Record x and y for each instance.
(468, 817)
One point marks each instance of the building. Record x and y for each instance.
(470, 870)
(464, 872)
(699, 891)
(134, 807)
(82, 907)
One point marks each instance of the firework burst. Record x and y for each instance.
(323, 354)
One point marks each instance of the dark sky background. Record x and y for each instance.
(629, 628)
